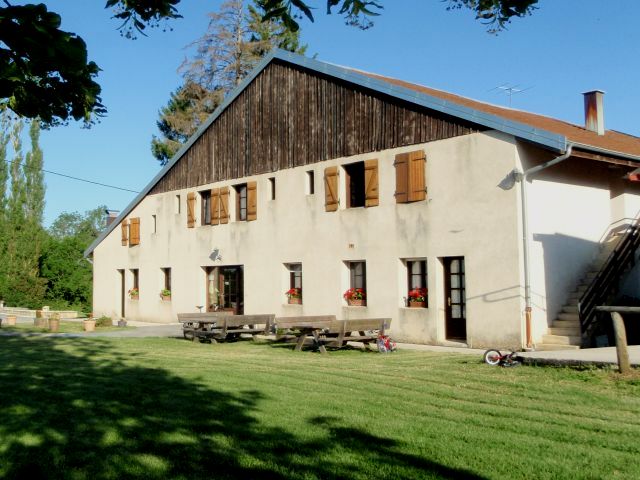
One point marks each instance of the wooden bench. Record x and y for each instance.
(223, 325)
(326, 331)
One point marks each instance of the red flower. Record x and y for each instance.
(354, 294)
(294, 293)
(418, 294)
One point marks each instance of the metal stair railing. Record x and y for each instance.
(601, 290)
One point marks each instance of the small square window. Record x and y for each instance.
(205, 198)
(272, 184)
(177, 204)
(417, 293)
(311, 183)
(166, 290)
(154, 224)
(134, 292)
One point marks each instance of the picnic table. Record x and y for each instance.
(326, 331)
(223, 325)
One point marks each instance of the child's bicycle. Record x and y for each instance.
(494, 357)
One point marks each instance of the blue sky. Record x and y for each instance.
(563, 49)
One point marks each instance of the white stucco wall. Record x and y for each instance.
(571, 207)
(466, 214)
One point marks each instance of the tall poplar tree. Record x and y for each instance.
(236, 39)
(34, 177)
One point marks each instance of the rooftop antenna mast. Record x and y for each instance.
(510, 90)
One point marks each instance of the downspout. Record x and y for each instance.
(522, 177)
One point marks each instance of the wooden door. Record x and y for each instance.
(456, 314)
(230, 282)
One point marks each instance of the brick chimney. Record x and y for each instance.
(594, 111)
(111, 216)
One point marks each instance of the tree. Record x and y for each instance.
(34, 177)
(234, 43)
(45, 71)
(68, 274)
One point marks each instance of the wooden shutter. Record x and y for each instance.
(331, 189)
(191, 210)
(371, 195)
(252, 201)
(417, 184)
(224, 205)
(125, 232)
(134, 232)
(402, 177)
(215, 206)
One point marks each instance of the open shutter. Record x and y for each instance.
(402, 178)
(331, 189)
(134, 232)
(125, 232)
(191, 210)
(224, 205)
(417, 184)
(371, 195)
(215, 206)
(252, 201)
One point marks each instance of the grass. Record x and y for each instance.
(93, 408)
(65, 327)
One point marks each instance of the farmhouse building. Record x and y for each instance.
(321, 178)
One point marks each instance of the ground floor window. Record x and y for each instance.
(356, 294)
(417, 292)
(166, 290)
(134, 291)
(294, 293)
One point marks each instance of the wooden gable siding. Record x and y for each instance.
(289, 117)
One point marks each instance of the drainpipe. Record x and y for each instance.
(522, 177)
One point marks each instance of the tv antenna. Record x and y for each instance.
(510, 90)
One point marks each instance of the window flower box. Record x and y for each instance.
(165, 294)
(134, 294)
(294, 296)
(355, 297)
(418, 298)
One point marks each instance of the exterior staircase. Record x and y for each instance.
(565, 332)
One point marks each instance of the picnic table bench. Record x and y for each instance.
(326, 331)
(223, 325)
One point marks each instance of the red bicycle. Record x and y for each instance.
(495, 357)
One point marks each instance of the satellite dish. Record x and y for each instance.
(215, 255)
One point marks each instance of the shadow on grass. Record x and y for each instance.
(89, 413)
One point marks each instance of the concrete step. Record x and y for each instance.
(565, 331)
(570, 308)
(574, 298)
(569, 316)
(566, 324)
(541, 347)
(562, 339)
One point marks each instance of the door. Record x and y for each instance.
(456, 309)
(225, 289)
(122, 293)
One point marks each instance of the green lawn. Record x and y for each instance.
(65, 327)
(93, 408)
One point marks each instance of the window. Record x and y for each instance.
(272, 184)
(241, 202)
(205, 204)
(135, 283)
(166, 272)
(246, 201)
(417, 282)
(154, 223)
(362, 184)
(295, 282)
(410, 177)
(177, 204)
(355, 184)
(311, 183)
(357, 292)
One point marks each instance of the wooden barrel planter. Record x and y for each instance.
(54, 323)
(10, 320)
